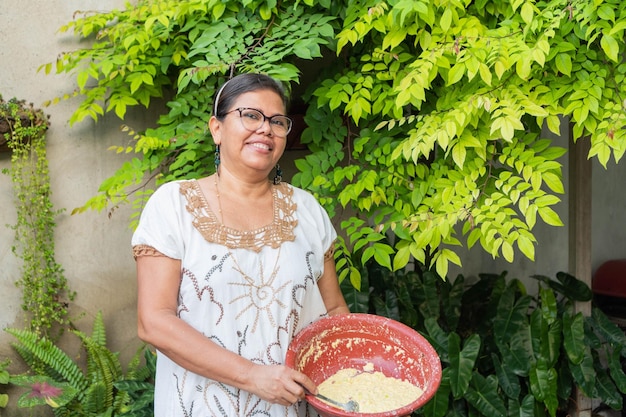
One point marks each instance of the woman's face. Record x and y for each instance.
(242, 150)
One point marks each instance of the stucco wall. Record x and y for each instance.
(93, 248)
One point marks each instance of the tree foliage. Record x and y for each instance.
(427, 119)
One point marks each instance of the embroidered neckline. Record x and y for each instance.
(274, 234)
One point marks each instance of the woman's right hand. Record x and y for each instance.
(279, 384)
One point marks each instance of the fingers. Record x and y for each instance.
(305, 382)
(281, 385)
(298, 385)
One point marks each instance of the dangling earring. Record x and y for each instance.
(217, 158)
(278, 177)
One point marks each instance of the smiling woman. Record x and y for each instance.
(232, 265)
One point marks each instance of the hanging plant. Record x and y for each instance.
(45, 293)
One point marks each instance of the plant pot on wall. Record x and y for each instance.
(4, 129)
(28, 116)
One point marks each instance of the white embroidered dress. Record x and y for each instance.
(249, 292)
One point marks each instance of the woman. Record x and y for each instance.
(231, 266)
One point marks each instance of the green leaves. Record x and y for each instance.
(521, 357)
(611, 47)
(504, 352)
(157, 46)
(462, 362)
(543, 386)
(483, 396)
(431, 122)
(476, 93)
(103, 389)
(573, 335)
(45, 291)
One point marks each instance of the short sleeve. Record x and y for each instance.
(315, 219)
(160, 225)
(330, 234)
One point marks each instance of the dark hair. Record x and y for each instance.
(244, 83)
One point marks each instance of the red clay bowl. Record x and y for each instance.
(355, 340)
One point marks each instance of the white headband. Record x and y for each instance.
(217, 98)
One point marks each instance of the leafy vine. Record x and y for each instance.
(45, 293)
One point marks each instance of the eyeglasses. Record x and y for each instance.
(253, 119)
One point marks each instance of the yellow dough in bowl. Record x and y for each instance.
(375, 392)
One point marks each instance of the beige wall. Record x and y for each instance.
(94, 249)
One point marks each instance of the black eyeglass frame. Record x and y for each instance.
(268, 118)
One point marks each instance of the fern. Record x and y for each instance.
(101, 391)
(56, 363)
(103, 368)
(98, 333)
(122, 399)
(145, 372)
(30, 359)
(97, 398)
(100, 360)
(134, 365)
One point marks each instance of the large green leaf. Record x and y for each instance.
(387, 307)
(507, 379)
(566, 381)
(462, 362)
(548, 305)
(553, 343)
(584, 373)
(438, 337)
(430, 306)
(568, 285)
(543, 385)
(511, 315)
(616, 368)
(439, 405)
(525, 409)
(483, 395)
(408, 313)
(538, 331)
(607, 391)
(574, 335)
(451, 300)
(546, 338)
(358, 301)
(517, 352)
(608, 329)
